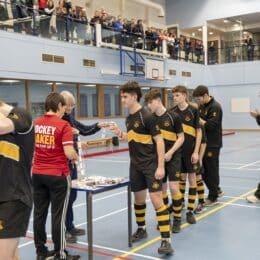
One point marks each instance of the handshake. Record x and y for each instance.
(113, 127)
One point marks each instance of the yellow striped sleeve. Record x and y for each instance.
(10, 150)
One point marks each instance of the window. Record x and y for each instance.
(13, 92)
(111, 101)
(88, 101)
(38, 93)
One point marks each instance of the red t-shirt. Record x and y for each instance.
(51, 134)
(42, 3)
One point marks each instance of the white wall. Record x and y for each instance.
(190, 13)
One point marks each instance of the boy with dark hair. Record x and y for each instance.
(190, 149)
(172, 133)
(16, 152)
(146, 149)
(211, 118)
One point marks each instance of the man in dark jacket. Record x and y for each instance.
(78, 129)
(211, 118)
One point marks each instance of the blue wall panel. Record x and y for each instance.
(21, 58)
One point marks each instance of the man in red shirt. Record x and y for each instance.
(51, 176)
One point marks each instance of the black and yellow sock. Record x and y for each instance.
(140, 215)
(177, 205)
(165, 198)
(200, 191)
(192, 197)
(163, 219)
(182, 185)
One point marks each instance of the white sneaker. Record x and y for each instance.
(252, 199)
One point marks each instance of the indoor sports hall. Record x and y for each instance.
(90, 49)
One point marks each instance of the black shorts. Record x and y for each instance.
(14, 219)
(187, 166)
(173, 168)
(142, 179)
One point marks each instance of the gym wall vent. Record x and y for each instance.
(186, 74)
(89, 63)
(53, 58)
(47, 57)
(172, 72)
(58, 59)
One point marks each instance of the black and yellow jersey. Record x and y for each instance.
(212, 114)
(204, 136)
(170, 125)
(16, 152)
(190, 124)
(141, 127)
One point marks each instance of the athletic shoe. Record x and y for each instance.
(71, 239)
(48, 255)
(176, 226)
(252, 199)
(210, 203)
(190, 217)
(220, 193)
(200, 208)
(77, 232)
(165, 248)
(139, 234)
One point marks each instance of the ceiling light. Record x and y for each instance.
(57, 83)
(9, 81)
(199, 29)
(145, 88)
(210, 33)
(89, 85)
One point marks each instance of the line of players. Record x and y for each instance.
(171, 141)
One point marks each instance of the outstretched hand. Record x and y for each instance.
(103, 124)
(254, 113)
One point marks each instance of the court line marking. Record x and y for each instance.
(249, 164)
(109, 160)
(83, 249)
(238, 168)
(120, 210)
(26, 244)
(203, 215)
(95, 200)
(119, 251)
(94, 220)
(240, 205)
